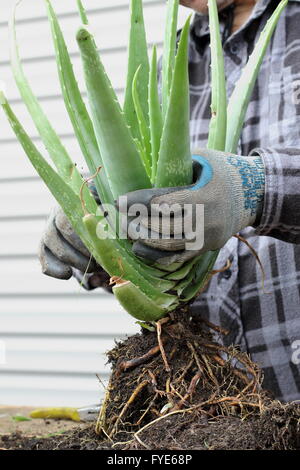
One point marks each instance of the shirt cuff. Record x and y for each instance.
(281, 208)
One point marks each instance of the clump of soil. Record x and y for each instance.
(178, 388)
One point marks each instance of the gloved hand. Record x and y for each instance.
(61, 249)
(230, 187)
(62, 254)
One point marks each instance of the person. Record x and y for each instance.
(256, 193)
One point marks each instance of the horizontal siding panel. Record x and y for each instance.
(53, 108)
(97, 313)
(44, 80)
(108, 34)
(42, 75)
(31, 9)
(67, 355)
(22, 199)
(16, 164)
(55, 111)
(48, 390)
(14, 242)
(25, 277)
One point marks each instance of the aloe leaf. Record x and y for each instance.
(137, 303)
(174, 166)
(181, 273)
(77, 111)
(171, 268)
(169, 52)
(137, 56)
(19, 418)
(121, 159)
(155, 114)
(82, 12)
(241, 95)
(218, 122)
(56, 150)
(143, 155)
(143, 126)
(198, 276)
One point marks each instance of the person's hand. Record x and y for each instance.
(62, 254)
(61, 250)
(228, 187)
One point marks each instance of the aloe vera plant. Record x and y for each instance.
(141, 144)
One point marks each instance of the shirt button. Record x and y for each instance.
(227, 274)
(234, 48)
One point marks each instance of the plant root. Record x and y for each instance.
(127, 405)
(179, 368)
(189, 393)
(125, 365)
(85, 182)
(256, 256)
(101, 423)
(161, 347)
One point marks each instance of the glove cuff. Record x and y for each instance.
(247, 184)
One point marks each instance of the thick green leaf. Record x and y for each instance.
(121, 159)
(20, 418)
(218, 122)
(155, 114)
(77, 111)
(82, 12)
(182, 272)
(169, 52)
(137, 56)
(171, 268)
(241, 95)
(143, 126)
(198, 276)
(174, 166)
(139, 305)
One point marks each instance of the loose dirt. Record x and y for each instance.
(179, 388)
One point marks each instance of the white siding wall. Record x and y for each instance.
(55, 334)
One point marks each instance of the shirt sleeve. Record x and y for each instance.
(281, 211)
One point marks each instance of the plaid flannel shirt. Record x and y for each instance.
(266, 324)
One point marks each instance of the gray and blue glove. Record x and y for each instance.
(230, 190)
(63, 255)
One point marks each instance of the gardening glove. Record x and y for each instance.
(61, 249)
(62, 254)
(230, 189)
